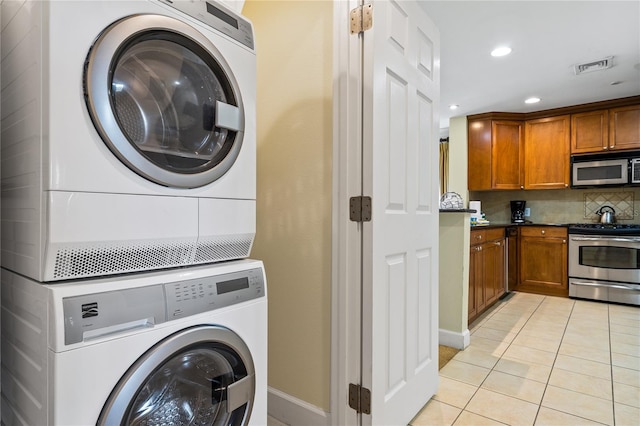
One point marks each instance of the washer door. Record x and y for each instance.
(164, 100)
(202, 376)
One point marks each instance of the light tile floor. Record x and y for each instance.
(546, 361)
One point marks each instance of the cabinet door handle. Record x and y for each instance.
(564, 241)
(521, 186)
(498, 243)
(543, 232)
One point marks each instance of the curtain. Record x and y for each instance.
(444, 165)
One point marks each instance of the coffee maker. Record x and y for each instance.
(517, 211)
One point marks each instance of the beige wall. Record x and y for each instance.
(294, 117)
(454, 238)
(458, 157)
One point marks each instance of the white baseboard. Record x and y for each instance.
(293, 411)
(453, 339)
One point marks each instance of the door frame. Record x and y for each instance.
(346, 298)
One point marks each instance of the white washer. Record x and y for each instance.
(128, 136)
(189, 346)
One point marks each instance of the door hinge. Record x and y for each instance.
(359, 399)
(360, 209)
(361, 18)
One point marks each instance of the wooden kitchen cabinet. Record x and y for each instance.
(590, 132)
(495, 154)
(606, 130)
(543, 260)
(486, 270)
(546, 153)
(624, 128)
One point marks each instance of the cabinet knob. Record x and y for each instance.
(521, 186)
(498, 243)
(606, 148)
(564, 241)
(543, 232)
(566, 185)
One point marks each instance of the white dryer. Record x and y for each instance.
(180, 347)
(128, 136)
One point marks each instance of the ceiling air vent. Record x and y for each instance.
(599, 65)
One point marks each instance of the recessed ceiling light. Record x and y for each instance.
(501, 51)
(454, 106)
(532, 100)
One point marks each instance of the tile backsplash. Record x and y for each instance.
(621, 202)
(562, 205)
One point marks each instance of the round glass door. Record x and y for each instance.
(201, 376)
(164, 100)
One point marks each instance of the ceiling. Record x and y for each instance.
(547, 39)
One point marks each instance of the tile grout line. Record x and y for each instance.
(613, 395)
(546, 385)
(484, 320)
(570, 319)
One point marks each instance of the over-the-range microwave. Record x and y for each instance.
(603, 171)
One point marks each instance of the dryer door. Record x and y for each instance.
(164, 100)
(202, 375)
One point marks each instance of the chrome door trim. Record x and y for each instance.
(241, 391)
(605, 285)
(605, 239)
(98, 89)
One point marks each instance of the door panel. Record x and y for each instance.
(400, 258)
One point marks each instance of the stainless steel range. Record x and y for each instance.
(604, 262)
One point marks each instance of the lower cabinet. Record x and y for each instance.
(486, 269)
(543, 260)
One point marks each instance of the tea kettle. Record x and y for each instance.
(607, 216)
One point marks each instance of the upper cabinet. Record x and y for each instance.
(590, 132)
(495, 154)
(624, 127)
(546, 153)
(533, 150)
(606, 130)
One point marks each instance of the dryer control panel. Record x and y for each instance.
(219, 18)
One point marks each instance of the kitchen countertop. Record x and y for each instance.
(506, 225)
(457, 211)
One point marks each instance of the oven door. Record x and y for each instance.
(609, 258)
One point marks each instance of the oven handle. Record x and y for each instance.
(617, 239)
(619, 286)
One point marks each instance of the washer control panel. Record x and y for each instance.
(100, 315)
(209, 293)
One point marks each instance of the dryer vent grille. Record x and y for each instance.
(91, 260)
(216, 249)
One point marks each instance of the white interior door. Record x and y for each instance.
(385, 293)
(400, 244)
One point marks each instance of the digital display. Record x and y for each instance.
(232, 285)
(222, 16)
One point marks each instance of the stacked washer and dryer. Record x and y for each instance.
(128, 169)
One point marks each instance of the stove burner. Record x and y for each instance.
(605, 228)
